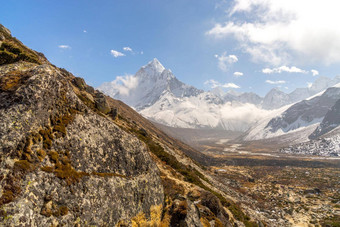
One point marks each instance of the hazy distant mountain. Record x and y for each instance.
(218, 91)
(301, 93)
(250, 97)
(322, 83)
(275, 99)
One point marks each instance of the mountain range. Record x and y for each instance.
(159, 96)
(303, 115)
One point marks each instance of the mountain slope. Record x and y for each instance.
(324, 140)
(330, 121)
(303, 115)
(54, 157)
(70, 155)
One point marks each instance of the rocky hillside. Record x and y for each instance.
(61, 162)
(321, 147)
(70, 155)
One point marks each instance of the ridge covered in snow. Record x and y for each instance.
(321, 108)
(158, 95)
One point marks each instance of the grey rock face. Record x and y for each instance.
(62, 163)
(331, 121)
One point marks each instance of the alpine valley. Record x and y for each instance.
(289, 119)
(281, 150)
(159, 152)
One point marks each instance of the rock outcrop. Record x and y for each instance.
(63, 163)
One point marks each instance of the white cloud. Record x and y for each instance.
(230, 85)
(284, 31)
(84, 31)
(116, 54)
(127, 49)
(213, 84)
(64, 47)
(225, 61)
(124, 84)
(315, 72)
(281, 69)
(309, 84)
(238, 74)
(275, 82)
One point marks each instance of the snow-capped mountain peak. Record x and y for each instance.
(158, 95)
(152, 69)
(155, 71)
(150, 83)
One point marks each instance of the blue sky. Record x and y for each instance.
(253, 45)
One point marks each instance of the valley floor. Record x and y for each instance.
(288, 189)
(292, 189)
(297, 196)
